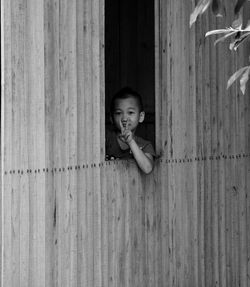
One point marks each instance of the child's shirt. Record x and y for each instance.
(113, 148)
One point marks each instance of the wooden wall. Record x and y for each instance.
(71, 219)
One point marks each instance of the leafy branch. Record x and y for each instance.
(240, 34)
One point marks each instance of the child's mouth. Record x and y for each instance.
(125, 125)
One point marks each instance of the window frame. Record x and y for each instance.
(157, 79)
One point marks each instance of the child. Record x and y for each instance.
(126, 113)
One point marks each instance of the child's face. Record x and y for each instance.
(127, 114)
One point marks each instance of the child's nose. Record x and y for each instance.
(124, 118)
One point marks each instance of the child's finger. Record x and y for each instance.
(122, 128)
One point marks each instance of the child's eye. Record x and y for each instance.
(117, 113)
(130, 113)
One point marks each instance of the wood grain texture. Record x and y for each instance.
(70, 218)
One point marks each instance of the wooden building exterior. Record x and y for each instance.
(70, 218)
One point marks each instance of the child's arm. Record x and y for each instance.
(144, 160)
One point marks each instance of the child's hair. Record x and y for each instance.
(126, 93)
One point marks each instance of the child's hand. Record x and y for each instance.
(126, 134)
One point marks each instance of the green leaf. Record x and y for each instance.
(244, 80)
(219, 31)
(200, 8)
(238, 6)
(239, 40)
(223, 38)
(248, 26)
(236, 75)
(217, 8)
(237, 24)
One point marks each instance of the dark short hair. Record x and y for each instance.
(126, 93)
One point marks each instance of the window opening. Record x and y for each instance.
(130, 56)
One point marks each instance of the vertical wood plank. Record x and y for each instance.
(23, 163)
(104, 226)
(6, 144)
(36, 136)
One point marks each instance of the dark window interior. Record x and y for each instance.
(130, 56)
